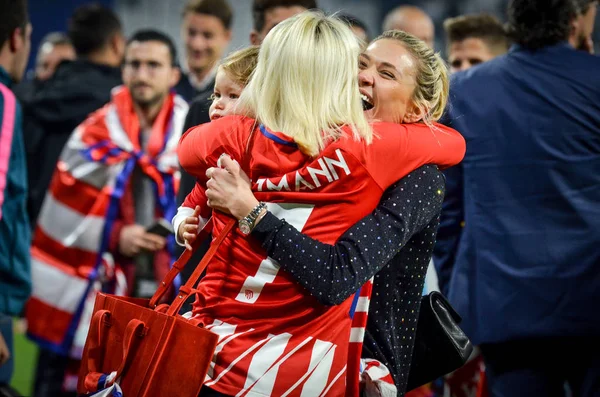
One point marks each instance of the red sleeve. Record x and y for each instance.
(402, 148)
(198, 197)
(201, 146)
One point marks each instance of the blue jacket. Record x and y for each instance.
(527, 260)
(15, 234)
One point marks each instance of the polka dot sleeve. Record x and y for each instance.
(332, 273)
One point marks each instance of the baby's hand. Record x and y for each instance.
(189, 228)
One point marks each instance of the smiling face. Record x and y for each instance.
(205, 38)
(387, 81)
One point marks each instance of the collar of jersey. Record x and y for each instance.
(277, 137)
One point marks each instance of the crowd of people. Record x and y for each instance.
(352, 165)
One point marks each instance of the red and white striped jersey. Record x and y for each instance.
(276, 339)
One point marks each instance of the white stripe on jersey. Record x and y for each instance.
(324, 353)
(263, 378)
(240, 357)
(295, 214)
(253, 286)
(314, 361)
(275, 367)
(226, 334)
(333, 382)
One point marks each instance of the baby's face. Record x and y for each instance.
(225, 96)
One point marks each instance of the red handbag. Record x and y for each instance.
(154, 351)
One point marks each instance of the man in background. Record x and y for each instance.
(55, 48)
(15, 237)
(474, 39)
(358, 27)
(268, 13)
(525, 278)
(206, 33)
(583, 25)
(412, 20)
(78, 88)
(102, 207)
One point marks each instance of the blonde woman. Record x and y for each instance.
(316, 162)
(402, 227)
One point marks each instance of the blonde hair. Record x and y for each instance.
(240, 64)
(305, 83)
(432, 84)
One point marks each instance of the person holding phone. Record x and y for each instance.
(100, 226)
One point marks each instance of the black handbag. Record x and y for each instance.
(440, 345)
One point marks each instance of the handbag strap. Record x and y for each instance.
(179, 264)
(134, 331)
(188, 288)
(95, 336)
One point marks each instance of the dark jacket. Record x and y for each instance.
(185, 89)
(77, 89)
(25, 90)
(15, 235)
(528, 257)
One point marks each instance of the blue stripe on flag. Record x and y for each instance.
(354, 303)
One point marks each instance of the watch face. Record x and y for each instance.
(245, 228)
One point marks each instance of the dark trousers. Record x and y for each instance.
(6, 329)
(50, 375)
(543, 367)
(207, 392)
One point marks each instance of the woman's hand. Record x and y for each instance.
(229, 190)
(189, 229)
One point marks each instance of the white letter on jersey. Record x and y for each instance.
(300, 180)
(260, 183)
(323, 171)
(340, 163)
(283, 184)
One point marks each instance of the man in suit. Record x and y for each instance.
(526, 279)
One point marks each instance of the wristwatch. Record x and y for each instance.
(246, 224)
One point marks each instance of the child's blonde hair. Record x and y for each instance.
(240, 64)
